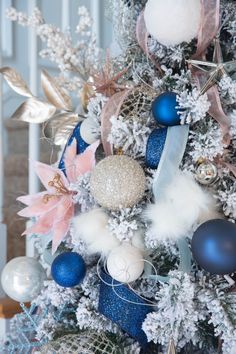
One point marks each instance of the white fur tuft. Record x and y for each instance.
(185, 204)
(91, 227)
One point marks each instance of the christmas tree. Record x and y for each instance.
(139, 212)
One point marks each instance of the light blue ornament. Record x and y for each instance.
(155, 146)
(164, 109)
(68, 269)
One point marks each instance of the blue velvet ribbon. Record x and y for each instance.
(124, 307)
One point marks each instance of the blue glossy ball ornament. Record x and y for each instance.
(214, 246)
(155, 146)
(81, 145)
(68, 269)
(164, 109)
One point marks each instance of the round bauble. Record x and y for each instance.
(164, 109)
(125, 263)
(172, 22)
(214, 246)
(206, 173)
(155, 146)
(22, 279)
(68, 269)
(88, 131)
(117, 181)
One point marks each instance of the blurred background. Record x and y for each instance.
(19, 48)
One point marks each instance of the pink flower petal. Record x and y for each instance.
(69, 161)
(86, 161)
(31, 198)
(40, 207)
(62, 207)
(47, 173)
(43, 225)
(60, 229)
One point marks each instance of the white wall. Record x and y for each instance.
(17, 44)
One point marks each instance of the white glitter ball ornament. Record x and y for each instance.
(22, 279)
(172, 22)
(125, 263)
(117, 182)
(88, 131)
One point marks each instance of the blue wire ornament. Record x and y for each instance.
(124, 307)
(81, 145)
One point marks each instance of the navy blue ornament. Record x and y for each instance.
(123, 307)
(68, 269)
(81, 144)
(214, 246)
(155, 146)
(164, 109)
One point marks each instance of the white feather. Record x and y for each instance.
(91, 227)
(185, 204)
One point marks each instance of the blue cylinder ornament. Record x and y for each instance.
(124, 307)
(80, 144)
(214, 246)
(164, 109)
(68, 269)
(155, 146)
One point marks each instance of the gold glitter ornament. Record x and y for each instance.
(117, 182)
(206, 173)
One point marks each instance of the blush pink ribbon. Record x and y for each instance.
(54, 208)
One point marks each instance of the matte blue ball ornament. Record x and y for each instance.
(68, 269)
(214, 246)
(164, 109)
(81, 145)
(155, 146)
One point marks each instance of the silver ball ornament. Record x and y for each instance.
(22, 279)
(117, 182)
(88, 131)
(206, 173)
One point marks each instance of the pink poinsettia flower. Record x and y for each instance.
(54, 208)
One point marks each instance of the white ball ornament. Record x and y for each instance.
(88, 131)
(22, 279)
(172, 22)
(125, 263)
(117, 181)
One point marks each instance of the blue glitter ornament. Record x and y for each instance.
(214, 246)
(155, 146)
(123, 307)
(164, 109)
(81, 144)
(68, 269)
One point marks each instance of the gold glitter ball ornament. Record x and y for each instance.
(117, 182)
(206, 173)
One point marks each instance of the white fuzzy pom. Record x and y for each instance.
(125, 263)
(91, 227)
(185, 205)
(172, 22)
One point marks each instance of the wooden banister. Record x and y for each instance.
(9, 308)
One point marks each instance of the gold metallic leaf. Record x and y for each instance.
(62, 126)
(34, 110)
(15, 81)
(54, 93)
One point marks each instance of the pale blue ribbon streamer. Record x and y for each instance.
(174, 148)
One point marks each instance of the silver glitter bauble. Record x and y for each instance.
(117, 181)
(22, 279)
(206, 173)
